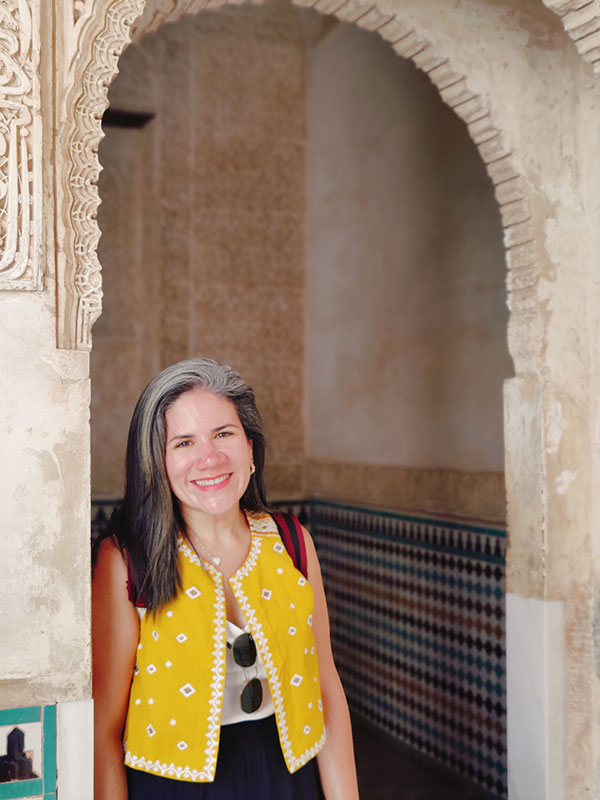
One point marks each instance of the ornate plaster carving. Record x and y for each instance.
(581, 21)
(20, 146)
(100, 35)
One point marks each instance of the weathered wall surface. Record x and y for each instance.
(202, 220)
(44, 574)
(406, 304)
(44, 403)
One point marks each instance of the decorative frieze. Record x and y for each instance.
(20, 146)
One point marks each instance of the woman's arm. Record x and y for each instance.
(115, 634)
(336, 759)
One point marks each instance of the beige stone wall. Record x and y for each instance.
(406, 304)
(202, 219)
(445, 492)
(44, 401)
(44, 526)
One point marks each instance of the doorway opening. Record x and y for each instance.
(303, 206)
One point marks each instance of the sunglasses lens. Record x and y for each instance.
(244, 650)
(251, 696)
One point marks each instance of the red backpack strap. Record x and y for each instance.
(292, 537)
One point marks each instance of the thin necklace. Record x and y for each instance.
(198, 545)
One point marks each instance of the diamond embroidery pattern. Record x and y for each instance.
(182, 745)
(306, 730)
(150, 669)
(187, 690)
(278, 547)
(292, 630)
(150, 731)
(257, 522)
(193, 592)
(181, 638)
(155, 636)
(266, 594)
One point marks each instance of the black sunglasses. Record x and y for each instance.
(244, 655)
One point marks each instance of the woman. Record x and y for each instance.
(212, 663)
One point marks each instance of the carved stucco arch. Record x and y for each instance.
(98, 37)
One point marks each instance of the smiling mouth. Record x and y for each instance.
(213, 481)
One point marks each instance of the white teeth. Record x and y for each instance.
(211, 481)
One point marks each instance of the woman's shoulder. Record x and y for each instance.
(109, 559)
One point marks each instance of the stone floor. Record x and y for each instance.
(388, 770)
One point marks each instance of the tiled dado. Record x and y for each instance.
(28, 753)
(417, 609)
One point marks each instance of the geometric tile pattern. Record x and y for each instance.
(44, 719)
(417, 627)
(417, 617)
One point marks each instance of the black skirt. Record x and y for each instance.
(250, 766)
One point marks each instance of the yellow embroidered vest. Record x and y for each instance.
(174, 715)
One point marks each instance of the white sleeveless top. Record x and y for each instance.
(235, 679)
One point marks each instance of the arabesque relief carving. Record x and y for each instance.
(101, 34)
(20, 146)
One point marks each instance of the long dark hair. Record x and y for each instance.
(148, 521)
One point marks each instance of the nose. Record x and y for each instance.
(207, 454)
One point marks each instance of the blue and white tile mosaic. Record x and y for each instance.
(417, 624)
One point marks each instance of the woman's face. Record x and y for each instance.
(207, 457)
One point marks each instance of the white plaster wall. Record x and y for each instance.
(406, 307)
(44, 509)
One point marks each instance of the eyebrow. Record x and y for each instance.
(214, 430)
